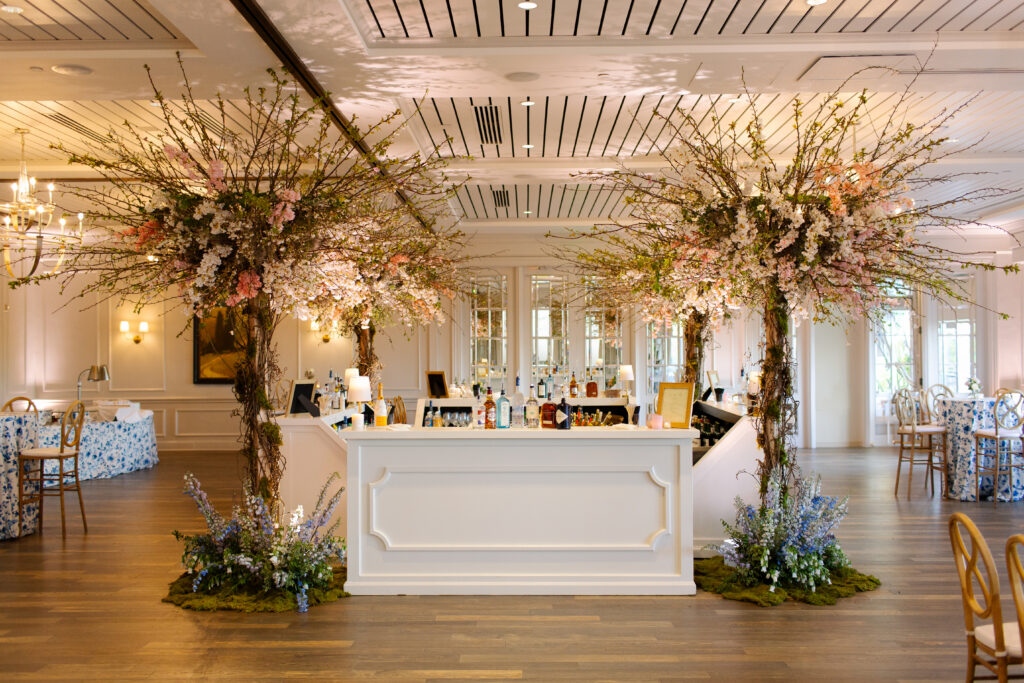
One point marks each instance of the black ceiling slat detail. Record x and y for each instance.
(373, 13)
(676, 22)
(597, 123)
(12, 26)
(419, 110)
(576, 26)
(632, 120)
(462, 206)
(579, 214)
(754, 16)
(109, 23)
(654, 140)
(130, 20)
(97, 33)
(561, 201)
(575, 193)
(833, 13)
(705, 16)
(1012, 10)
(544, 138)
(654, 113)
(579, 126)
(527, 196)
(610, 193)
(515, 190)
(729, 18)
(622, 206)
(469, 196)
(35, 25)
(848, 22)
(806, 14)
(488, 124)
(561, 130)
(151, 16)
(784, 9)
(877, 17)
(551, 196)
(962, 10)
(501, 15)
(629, 13)
(484, 203)
(551, 28)
(74, 125)
(476, 18)
(540, 195)
(925, 20)
(600, 24)
(511, 129)
(528, 110)
(401, 19)
(597, 197)
(66, 28)
(458, 120)
(440, 122)
(611, 130)
(426, 19)
(451, 18)
(654, 15)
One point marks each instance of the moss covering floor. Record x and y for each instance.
(180, 594)
(714, 576)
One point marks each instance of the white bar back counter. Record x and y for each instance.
(530, 512)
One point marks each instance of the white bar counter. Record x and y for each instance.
(604, 511)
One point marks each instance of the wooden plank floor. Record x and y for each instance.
(89, 608)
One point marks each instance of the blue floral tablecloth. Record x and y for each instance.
(963, 417)
(106, 450)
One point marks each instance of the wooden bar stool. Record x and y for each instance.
(32, 484)
(920, 444)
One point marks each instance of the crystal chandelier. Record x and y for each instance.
(30, 239)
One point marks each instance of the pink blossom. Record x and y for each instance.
(249, 284)
(215, 176)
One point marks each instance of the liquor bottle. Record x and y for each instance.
(592, 389)
(503, 409)
(437, 418)
(518, 404)
(428, 415)
(549, 385)
(574, 387)
(480, 411)
(542, 388)
(380, 408)
(532, 411)
(547, 413)
(489, 411)
(563, 415)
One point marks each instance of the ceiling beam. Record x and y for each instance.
(290, 60)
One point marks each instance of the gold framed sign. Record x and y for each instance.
(675, 403)
(713, 380)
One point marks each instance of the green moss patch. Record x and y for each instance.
(714, 576)
(241, 600)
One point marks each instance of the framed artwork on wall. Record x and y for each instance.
(218, 344)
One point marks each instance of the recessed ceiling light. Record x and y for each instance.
(11, 9)
(812, 3)
(527, 5)
(522, 76)
(527, 146)
(527, 212)
(527, 103)
(953, 140)
(154, 103)
(70, 69)
(701, 75)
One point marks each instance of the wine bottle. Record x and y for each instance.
(542, 387)
(428, 415)
(489, 411)
(380, 408)
(518, 405)
(574, 387)
(532, 411)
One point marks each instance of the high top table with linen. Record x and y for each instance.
(106, 450)
(962, 418)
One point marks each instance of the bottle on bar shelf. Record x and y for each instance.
(547, 413)
(542, 387)
(489, 411)
(574, 387)
(380, 408)
(503, 411)
(428, 415)
(532, 416)
(549, 385)
(479, 410)
(437, 418)
(518, 404)
(592, 390)
(563, 415)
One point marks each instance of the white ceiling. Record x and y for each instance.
(599, 71)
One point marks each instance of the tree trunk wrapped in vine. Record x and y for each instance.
(776, 415)
(366, 357)
(694, 336)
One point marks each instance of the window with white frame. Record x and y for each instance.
(957, 352)
(666, 354)
(895, 352)
(488, 349)
(602, 340)
(549, 320)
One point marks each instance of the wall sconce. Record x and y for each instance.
(126, 330)
(315, 327)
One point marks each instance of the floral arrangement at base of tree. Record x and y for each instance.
(252, 553)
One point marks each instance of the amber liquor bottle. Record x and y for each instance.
(591, 385)
(574, 388)
(490, 411)
(547, 413)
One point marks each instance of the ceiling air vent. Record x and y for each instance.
(500, 198)
(76, 126)
(488, 124)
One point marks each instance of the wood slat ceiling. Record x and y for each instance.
(538, 201)
(418, 19)
(626, 126)
(115, 20)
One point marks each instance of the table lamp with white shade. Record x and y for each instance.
(626, 376)
(358, 393)
(350, 374)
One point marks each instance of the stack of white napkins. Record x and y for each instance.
(107, 409)
(132, 413)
